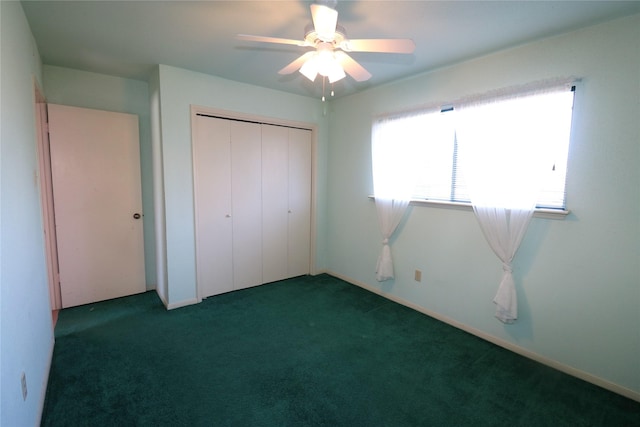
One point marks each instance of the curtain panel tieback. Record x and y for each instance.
(384, 266)
(506, 299)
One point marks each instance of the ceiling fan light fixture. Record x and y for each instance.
(326, 63)
(310, 68)
(335, 72)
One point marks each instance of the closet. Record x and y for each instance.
(252, 192)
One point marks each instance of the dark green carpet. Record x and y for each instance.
(302, 352)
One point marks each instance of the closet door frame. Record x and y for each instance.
(233, 115)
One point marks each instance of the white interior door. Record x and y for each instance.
(299, 241)
(212, 186)
(275, 203)
(246, 190)
(95, 161)
(252, 193)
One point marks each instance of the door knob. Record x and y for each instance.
(136, 216)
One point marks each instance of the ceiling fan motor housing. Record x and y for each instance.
(313, 39)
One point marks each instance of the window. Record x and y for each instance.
(529, 122)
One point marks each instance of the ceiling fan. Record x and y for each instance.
(329, 40)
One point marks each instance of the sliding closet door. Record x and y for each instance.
(275, 202)
(299, 188)
(212, 186)
(246, 200)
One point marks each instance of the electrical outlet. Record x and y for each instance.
(23, 382)
(417, 276)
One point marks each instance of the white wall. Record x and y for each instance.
(98, 91)
(26, 331)
(179, 89)
(578, 279)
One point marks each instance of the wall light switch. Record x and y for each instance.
(417, 276)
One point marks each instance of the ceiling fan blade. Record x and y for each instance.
(263, 39)
(325, 21)
(355, 70)
(379, 45)
(296, 64)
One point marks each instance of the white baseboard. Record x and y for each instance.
(45, 382)
(176, 304)
(181, 303)
(593, 379)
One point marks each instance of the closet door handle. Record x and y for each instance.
(227, 216)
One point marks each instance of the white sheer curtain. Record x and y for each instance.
(395, 152)
(505, 148)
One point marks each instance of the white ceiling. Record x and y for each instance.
(128, 38)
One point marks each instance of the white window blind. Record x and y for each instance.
(443, 162)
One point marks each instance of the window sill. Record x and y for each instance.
(539, 212)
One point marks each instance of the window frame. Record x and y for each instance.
(568, 84)
(546, 213)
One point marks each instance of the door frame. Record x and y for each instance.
(46, 196)
(234, 115)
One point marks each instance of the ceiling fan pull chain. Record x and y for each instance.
(323, 82)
